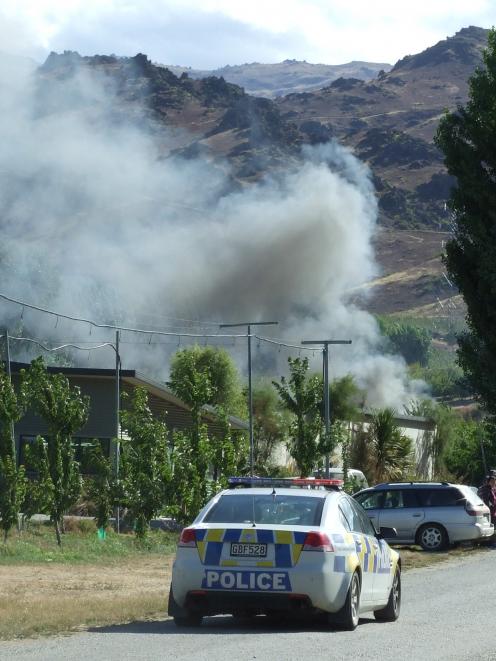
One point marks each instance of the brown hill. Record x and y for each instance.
(390, 123)
(272, 80)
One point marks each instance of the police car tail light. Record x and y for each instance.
(188, 538)
(317, 541)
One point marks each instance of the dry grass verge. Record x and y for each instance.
(38, 599)
(41, 599)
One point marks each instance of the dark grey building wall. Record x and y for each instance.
(101, 421)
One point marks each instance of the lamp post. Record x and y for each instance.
(327, 415)
(249, 324)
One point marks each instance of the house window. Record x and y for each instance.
(82, 452)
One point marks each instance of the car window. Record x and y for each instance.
(365, 523)
(344, 520)
(350, 515)
(262, 508)
(400, 498)
(447, 497)
(356, 517)
(370, 500)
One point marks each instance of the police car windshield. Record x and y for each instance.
(267, 509)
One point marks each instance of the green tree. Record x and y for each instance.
(471, 444)
(12, 478)
(65, 411)
(101, 487)
(190, 460)
(207, 375)
(39, 488)
(146, 474)
(389, 450)
(301, 395)
(467, 137)
(270, 425)
(410, 341)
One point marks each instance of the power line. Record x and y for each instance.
(62, 346)
(148, 333)
(94, 324)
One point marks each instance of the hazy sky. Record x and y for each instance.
(211, 33)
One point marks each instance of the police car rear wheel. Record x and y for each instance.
(391, 612)
(188, 620)
(347, 618)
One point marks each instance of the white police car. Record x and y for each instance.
(269, 546)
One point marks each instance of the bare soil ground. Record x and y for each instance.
(46, 599)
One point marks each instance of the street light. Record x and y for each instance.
(249, 324)
(325, 344)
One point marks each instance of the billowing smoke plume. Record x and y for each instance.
(99, 220)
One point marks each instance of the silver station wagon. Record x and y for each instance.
(431, 514)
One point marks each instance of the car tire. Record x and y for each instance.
(188, 620)
(391, 611)
(432, 537)
(347, 618)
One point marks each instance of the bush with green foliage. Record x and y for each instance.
(65, 411)
(466, 137)
(410, 341)
(301, 395)
(146, 477)
(12, 478)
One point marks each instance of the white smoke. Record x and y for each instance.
(97, 223)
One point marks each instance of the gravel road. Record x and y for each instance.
(447, 613)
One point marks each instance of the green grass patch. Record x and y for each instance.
(38, 545)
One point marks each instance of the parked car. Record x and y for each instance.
(279, 546)
(337, 473)
(432, 514)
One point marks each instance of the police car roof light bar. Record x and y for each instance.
(285, 482)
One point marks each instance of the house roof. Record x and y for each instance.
(407, 421)
(161, 399)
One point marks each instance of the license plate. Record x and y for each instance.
(248, 550)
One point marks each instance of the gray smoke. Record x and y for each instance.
(97, 223)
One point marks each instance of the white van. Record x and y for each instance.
(335, 472)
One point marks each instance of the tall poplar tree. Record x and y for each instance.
(467, 137)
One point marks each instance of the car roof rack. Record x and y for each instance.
(286, 482)
(397, 484)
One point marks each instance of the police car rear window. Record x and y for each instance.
(267, 509)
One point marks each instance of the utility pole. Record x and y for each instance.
(249, 324)
(9, 374)
(117, 420)
(327, 407)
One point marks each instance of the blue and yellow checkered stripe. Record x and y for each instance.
(287, 546)
(372, 558)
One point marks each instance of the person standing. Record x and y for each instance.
(487, 493)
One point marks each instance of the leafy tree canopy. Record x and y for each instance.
(207, 375)
(467, 137)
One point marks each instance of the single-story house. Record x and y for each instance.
(100, 386)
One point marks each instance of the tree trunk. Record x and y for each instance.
(57, 532)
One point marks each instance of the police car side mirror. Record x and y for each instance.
(387, 533)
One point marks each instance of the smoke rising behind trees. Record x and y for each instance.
(100, 220)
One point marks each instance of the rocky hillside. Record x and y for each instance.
(390, 123)
(273, 80)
